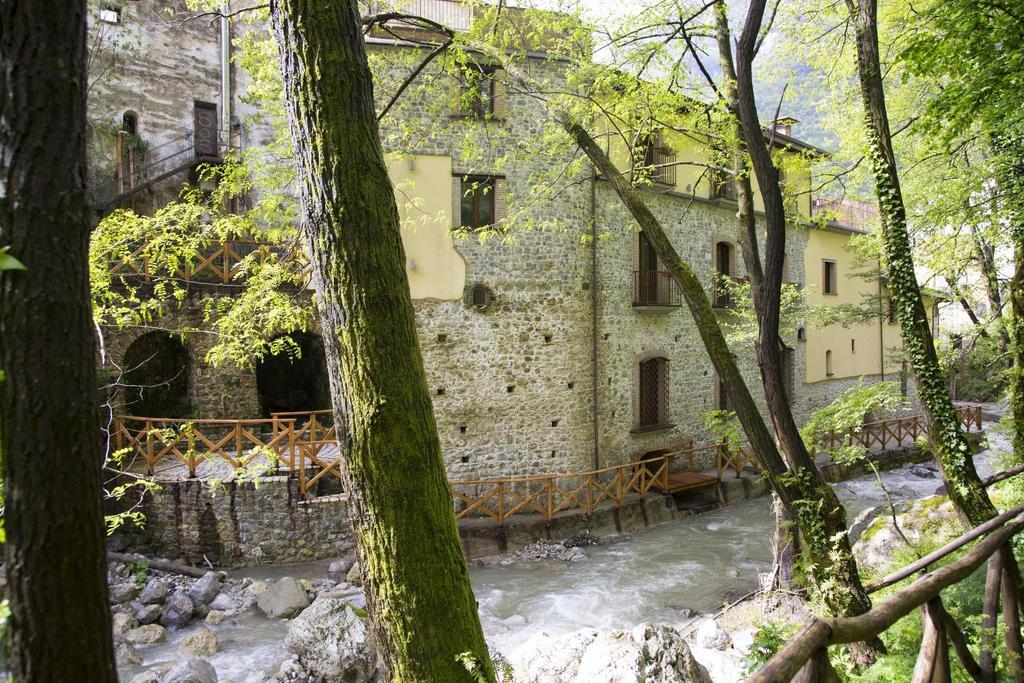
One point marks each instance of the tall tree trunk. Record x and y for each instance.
(1015, 327)
(784, 544)
(946, 436)
(49, 424)
(985, 254)
(848, 597)
(421, 604)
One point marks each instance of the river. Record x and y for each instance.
(665, 574)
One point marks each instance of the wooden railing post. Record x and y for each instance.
(551, 499)
(150, 457)
(191, 462)
(501, 503)
(238, 442)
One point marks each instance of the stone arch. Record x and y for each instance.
(157, 377)
(287, 382)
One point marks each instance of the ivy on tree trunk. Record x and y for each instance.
(946, 435)
(59, 628)
(421, 605)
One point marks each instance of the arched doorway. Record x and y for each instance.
(287, 383)
(156, 377)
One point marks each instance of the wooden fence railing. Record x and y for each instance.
(805, 656)
(547, 495)
(315, 439)
(895, 431)
(295, 441)
(220, 264)
(306, 443)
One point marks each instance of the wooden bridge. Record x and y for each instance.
(304, 444)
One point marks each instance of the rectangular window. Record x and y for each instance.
(653, 399)
(110, 14)
(723, 186)
(478, 85)
(829, 277)
(477, 201)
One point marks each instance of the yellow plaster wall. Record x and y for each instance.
(423, 191)
(693, 178)
(872, 341)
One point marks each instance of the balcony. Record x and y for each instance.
(655, 289)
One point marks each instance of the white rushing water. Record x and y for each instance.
(665, 575)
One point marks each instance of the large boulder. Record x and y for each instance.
(146, 635)
(649, 653)
(123, 622)
(123, 592)
(200, 643)
(154, 592)
(126, 654)
(339, 569)
(149, 614)
(191, 671)
(177, 611)
(710, 635)
(332, 642)
(205, 589)
(283, 599)
(933, 518)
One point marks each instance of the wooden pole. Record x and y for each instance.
(990, 615)
(1011, 619)
(963, 652)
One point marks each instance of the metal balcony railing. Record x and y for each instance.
(655, 288)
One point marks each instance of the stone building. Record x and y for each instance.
(549, 352)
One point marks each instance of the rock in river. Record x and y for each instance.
(283, 599)
(332, 642)
(649, 653)
(191, 671)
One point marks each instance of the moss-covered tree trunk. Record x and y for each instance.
(59, 629)
(946, 435)
(422, 610)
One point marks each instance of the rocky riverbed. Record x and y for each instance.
(554, 609)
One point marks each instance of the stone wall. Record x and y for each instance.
(243, 523)
(222, 392)
(514, 389)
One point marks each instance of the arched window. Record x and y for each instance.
(480, 296)
(723, 269)
(828, 363)
(652, 407)
(290, 382)
(157, 377)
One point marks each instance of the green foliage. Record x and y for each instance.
(768, 639)
(725, 428)
(741, 325)
(846, 415)
(981, 372)
(139, 571)
(8, 262)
